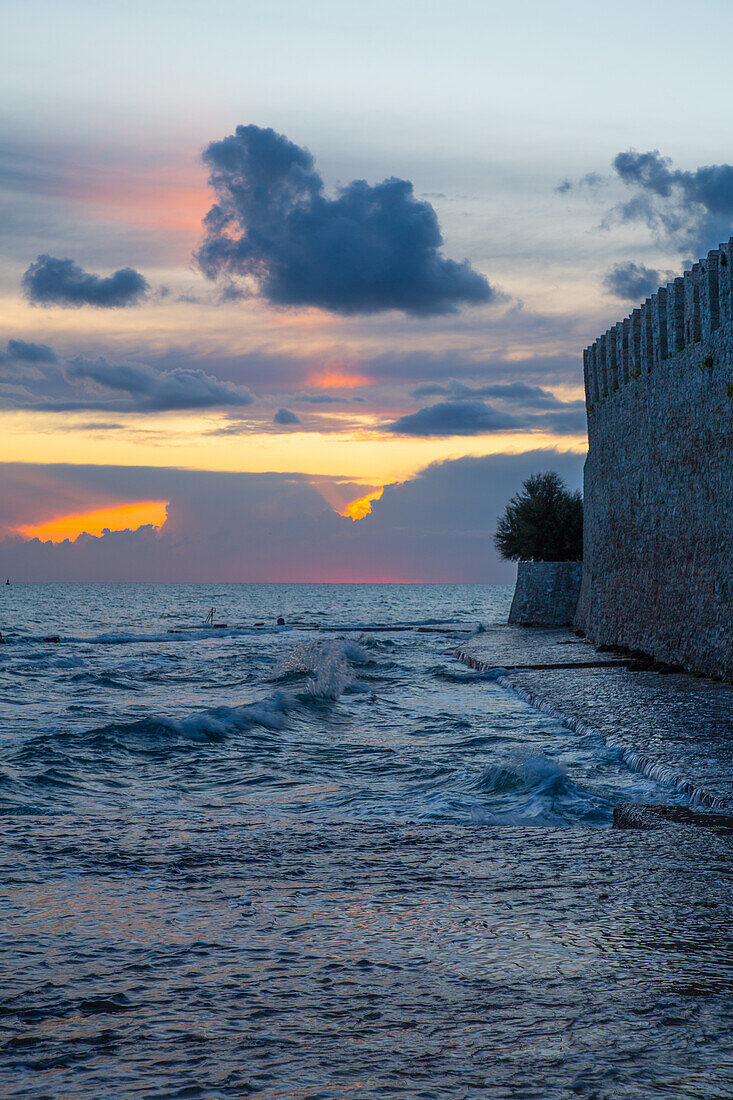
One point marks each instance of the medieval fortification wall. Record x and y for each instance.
(658, 528)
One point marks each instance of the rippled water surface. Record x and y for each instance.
(321, 860)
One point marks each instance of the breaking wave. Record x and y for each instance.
(634, 760)
(329, 665)
(536, 790)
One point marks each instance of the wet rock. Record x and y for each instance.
(628, 815)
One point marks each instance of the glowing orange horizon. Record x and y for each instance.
(362, 506)
(121, 517)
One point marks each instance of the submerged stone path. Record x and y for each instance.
(673, 727)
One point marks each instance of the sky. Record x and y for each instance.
(300, 292)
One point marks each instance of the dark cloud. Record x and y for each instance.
(288, 373)
(570, 420)
(320, 399)
(130, 388)
(285, 416)
(371, 248)
(147, 390)
(516, 393)
(454, 418)
(591, 179)
(689, 209)
(436, 526)
(439, 525)
(443, 367)
(23, 351)
(100, 426)
(50, 281)
(632, 282)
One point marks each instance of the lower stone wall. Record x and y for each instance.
(546, 593)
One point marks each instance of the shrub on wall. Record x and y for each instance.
(543, 522)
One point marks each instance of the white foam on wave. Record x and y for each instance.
(634, 760)
(535, 789)
(218, 722)
(329, 663)
(331, 674)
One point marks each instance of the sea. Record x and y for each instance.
(321, 858)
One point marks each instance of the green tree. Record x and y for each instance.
(543, 522)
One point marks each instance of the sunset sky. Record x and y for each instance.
(261, 261)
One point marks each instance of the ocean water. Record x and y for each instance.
(326, 860)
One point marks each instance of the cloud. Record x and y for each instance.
(131, 388)
(50, 281)
(689, 209)
(24, 351)
(148, 390)
(289, 372)
(285, 416)
(320, 399)
(632, 282)
(435, 526)
(591, 180)
(518, 393)
(454, 418)
(99, 426)
(570, 420)
(370, 249)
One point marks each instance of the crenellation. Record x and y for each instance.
(611, 361)
(659, 327)
(623, 329)
(634, 360)
(692, 327)
(586, 375)
(658, 527)
(725, 283)
(675, 316)
(602, 367)
(647, 338)
(710, 296)
(591, 386)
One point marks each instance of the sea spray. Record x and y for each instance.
(635, 761)
(327, 661)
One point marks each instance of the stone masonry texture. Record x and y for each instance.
(658, 500)
(546, 593)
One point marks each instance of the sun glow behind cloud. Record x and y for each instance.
(123, 517)
(339, 380)
(362, 506)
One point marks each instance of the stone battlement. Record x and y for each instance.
(658, 503)
(681, 315)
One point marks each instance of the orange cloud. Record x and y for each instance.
(362, 506)
(122, 517)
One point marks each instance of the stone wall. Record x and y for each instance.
(658, 503)
(546, 593)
